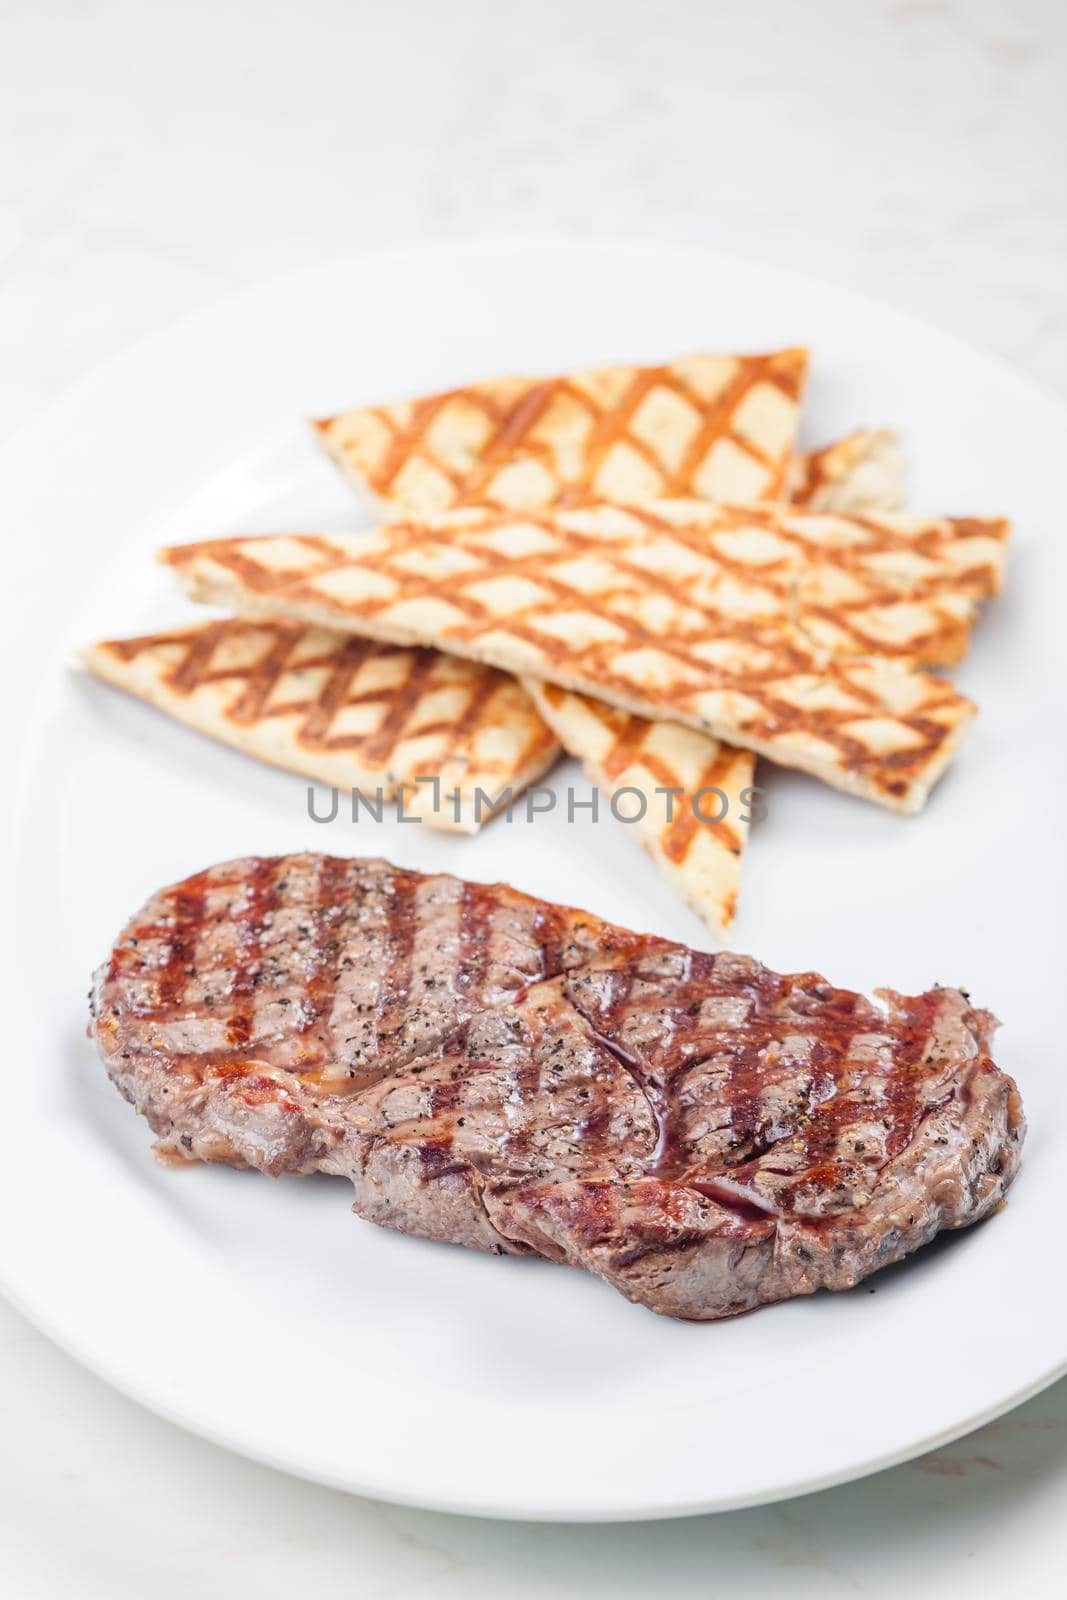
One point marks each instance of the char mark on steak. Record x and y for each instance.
(496, 1071)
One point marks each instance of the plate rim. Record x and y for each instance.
(27, 434)
(495, 1512)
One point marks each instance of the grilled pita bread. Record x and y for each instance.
(616, 749)
(344, 711)
(701, 625)
(716, 427)
(862, 472)
(683, 781)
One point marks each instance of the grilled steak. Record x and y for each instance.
(496, 1071)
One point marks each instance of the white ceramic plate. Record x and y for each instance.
(264, 1315)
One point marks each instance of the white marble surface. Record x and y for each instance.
(153, 157)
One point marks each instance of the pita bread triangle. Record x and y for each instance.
(682, 794)
(446, 735)
(717, 427)
(717, 623)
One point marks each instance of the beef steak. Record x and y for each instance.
(496, 1071)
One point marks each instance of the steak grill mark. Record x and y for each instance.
(701, 1132)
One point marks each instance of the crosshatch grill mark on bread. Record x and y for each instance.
(344, 710)
(496, 1071)
(719, 427)
(719, 625)
(900, 587)
(677, 772)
